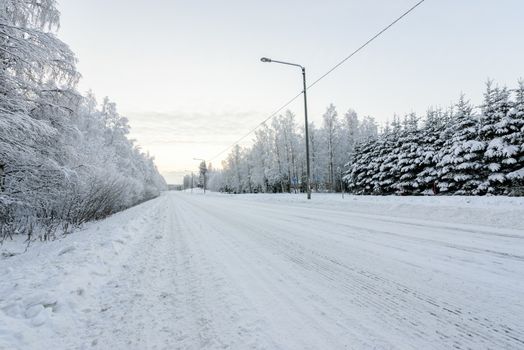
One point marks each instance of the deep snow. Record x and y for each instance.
(188, 271)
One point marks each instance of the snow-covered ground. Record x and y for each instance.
(188, 271)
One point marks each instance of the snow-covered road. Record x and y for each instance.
(218, 272)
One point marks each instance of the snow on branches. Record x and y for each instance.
(459, 152)
(63, 160)
(277, 163)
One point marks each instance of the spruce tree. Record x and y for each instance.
(390, 171)
(496, 125)
(409, 160)
(432, 139)
(462, 156)
(513, 163)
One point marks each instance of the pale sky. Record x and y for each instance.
(188, 74)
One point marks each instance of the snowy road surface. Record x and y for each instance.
(218, 272)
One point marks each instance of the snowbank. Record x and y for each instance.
(47, 289)
(496, 211)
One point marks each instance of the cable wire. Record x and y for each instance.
(321, 77)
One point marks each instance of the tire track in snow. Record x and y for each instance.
(454, 327)
(213, 314)
(284, 312)
(133, 310)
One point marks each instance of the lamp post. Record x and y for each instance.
(308, 181)
(203, 172)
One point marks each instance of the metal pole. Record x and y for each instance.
(191, 182)
(308, 172)
(308, 181)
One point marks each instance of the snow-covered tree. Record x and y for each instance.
(461, 157)
(410, 163)
(513, 162)
(63, 160)
(331, 138)
(502, 131)
(433, 136)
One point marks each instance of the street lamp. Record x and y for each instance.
(269, 60)
(203, 173)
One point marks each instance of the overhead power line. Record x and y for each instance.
(321, 77)
(256, 127)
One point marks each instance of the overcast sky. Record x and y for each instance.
(187, 73)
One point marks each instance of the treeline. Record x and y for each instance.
(276, 160)
(63, 159)
(462, 151)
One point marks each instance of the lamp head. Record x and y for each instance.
(265, 59)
